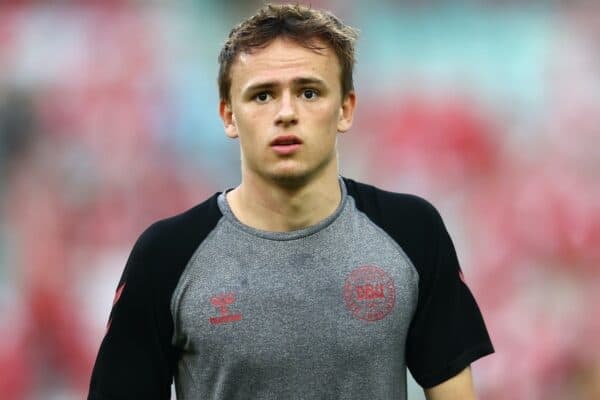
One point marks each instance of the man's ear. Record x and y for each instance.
(347, 112)
(226, 114)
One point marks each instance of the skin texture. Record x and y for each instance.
(459, 387)
(286, 89)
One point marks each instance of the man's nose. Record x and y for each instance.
(286, 114)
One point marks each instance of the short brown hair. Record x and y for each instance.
(297, 22)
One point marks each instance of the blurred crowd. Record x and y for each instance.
(489, 109)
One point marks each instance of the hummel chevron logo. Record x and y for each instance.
(222, 302)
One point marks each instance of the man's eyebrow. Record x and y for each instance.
(260, 86)
(309, 81)
(272, 84)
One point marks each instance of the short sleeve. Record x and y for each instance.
(134, 361)
(447, 332)
(137, 359)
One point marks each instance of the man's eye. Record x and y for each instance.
(310, 94)
(262, 97)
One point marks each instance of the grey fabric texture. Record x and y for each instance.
(318, 313)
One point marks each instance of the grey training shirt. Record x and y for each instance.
(337, 310)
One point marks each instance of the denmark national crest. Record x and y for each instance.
(369, 293)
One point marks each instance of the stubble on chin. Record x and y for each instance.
(290, 180)
(295, 179)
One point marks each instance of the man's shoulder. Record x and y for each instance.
(384, 206)
(195, 222)
(410, 220)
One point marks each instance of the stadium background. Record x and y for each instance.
(490, 109)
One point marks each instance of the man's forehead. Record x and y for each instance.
(283, 50)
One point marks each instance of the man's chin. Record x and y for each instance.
(291, 179)
(295, 175)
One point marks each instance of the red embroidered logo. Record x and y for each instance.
(222, 302)
(369, 293)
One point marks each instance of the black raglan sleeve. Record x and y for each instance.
(447, 332)
(135, 360)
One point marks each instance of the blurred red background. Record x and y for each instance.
(490, 109)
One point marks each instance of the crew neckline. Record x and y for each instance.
(290, 235)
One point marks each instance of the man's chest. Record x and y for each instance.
(337, 293)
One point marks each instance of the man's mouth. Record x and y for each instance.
(286, 140)
(286, 144)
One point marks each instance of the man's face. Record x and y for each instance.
(286, 109)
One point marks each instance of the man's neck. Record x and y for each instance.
(276, 208)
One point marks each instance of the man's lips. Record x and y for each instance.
(286, 144)
(286, 140)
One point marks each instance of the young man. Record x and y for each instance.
(297, 284)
